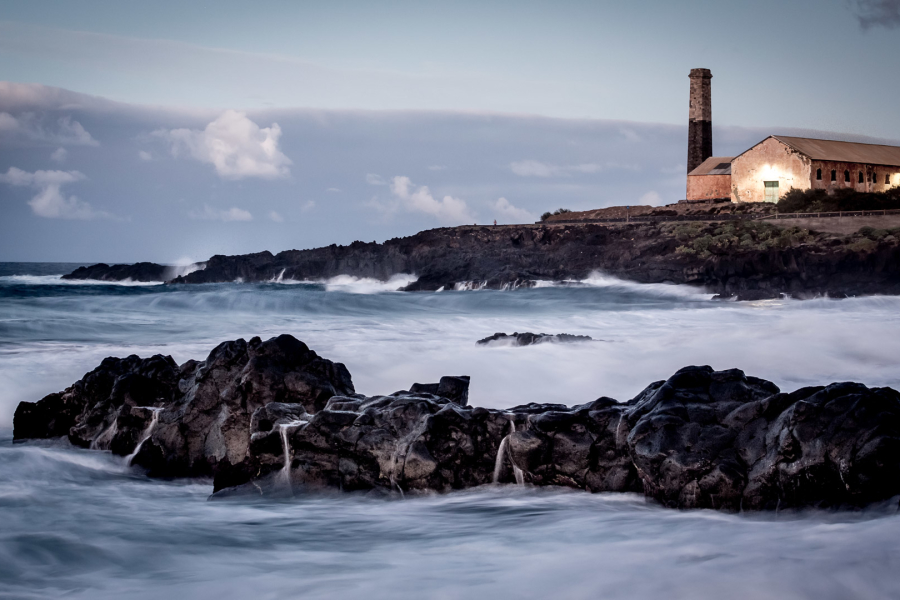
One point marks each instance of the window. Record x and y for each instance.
(847, 176)
(887, 179)
(834, 175)
(819, 174)
(771, 188)
(862, 178)
(874, 177)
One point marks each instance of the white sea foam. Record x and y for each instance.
(58, 280)
(367, 285)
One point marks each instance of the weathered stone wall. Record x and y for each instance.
(770, 160)
(870, 172)
(699, 118)
(707, 187)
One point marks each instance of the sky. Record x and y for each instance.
(171, 131)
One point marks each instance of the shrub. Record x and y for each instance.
(546, 215)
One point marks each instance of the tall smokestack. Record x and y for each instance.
(700, 119)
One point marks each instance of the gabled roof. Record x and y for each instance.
(855, 152)
(714, 165)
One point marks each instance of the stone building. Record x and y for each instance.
(711, 180)
(778, 163)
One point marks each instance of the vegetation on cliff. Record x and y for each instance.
(840, 200)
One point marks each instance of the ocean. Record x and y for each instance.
(81, 524)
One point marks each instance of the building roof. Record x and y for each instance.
(714, 165)
(871, 154)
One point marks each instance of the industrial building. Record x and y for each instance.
(779, 163)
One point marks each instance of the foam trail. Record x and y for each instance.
(147, 432)
(284, 430)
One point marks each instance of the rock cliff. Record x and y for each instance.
(743, 259)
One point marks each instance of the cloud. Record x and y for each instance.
(534, 168)
(874, 13)
(274, 216)
(447, 209)
(333, 190)
(29, 127)
(59, 155)
(651, 198)
(236, 146)
(437, 168)
(214, 214)
(144, 155)
(506, 212)
(373, 179)
(307, 206)
(49, 202)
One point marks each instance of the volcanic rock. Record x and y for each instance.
(528, 338)
(275, 417)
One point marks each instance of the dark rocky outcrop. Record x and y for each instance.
(527, 338)
(201, 410)
(142, 271)
(275, 417)
(737, 259)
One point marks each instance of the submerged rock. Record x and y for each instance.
(527, 338)
(275, 417)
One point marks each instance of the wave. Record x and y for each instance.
(596, 279)
(366, 285)
(58, 280)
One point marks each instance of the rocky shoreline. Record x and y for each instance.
(746, 260)
(273, 417)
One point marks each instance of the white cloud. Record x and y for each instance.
(274, 216)
(144, 155)
(651, 198)
(373, 179)
(437, 168)
(307, 206)
(49, 202)
(59, 155)
(30, 127)
(506, 212)
(447, 209)
(333, 190)
(236, 146)
(214, 214)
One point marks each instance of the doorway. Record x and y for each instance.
(771, 191)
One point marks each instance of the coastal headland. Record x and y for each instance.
(738, 257)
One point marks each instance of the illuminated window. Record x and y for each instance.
(847, 176)
(819, 174)
(834, 175)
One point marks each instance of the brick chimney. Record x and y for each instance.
(700, 119)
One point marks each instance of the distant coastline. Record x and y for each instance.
(746, 260)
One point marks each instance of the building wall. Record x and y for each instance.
(868, 171)
(770, 160)
(707, 187)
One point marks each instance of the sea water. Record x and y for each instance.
(83, 524)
